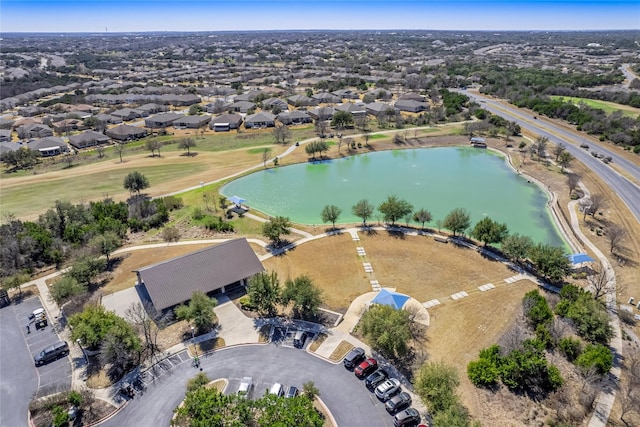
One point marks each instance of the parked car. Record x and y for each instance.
(292, 392)
(299, 339)
(366, 367)
(245, 387)
(387, 389)
(277, 389)
(354, 357)
(375, 379)
(398, 403)
(51, 353)
(408, 417)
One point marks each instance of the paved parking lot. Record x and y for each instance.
(284, 336)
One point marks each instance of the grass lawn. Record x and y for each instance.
(607, 107)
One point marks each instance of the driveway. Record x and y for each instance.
(346, 397)
(20, 378)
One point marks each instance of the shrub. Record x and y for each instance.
(197, 214)
(571, 348)
(543, 336)
(60, 416)
(597, 356)
(172, 202)
(245, 303)
(65, 289)
(536, 308)
(75, 398)
(483, 373)
(198, 381)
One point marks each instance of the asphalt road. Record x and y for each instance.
(620, 185)
(20, 378)
(346, 397)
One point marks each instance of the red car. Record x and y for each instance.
(366, 367)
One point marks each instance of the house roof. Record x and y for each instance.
(351, 108)
(260, 117)
(172, 282)
(124, 130)
(88, 136)
(44, 144)
(227, 118)
(193, 119)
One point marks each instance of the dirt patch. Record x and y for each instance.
(91, 410)
(219, 385)
(317, 342)
(264, 334)
(206, 346)
(173, 334)
(97, 376)
(341, 351)
(323, 411)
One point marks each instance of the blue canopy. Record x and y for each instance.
(579, 258)
(237, 200)
(393, 299)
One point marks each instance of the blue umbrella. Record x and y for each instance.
(393, 299)
(237, 200)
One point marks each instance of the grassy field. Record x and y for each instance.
(607, 107)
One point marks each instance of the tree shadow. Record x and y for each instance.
(191, 154)
(369, 230)
(396, 233)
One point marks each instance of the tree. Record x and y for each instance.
(594, 203)
(387, 330)
(540, 146)
(565, 159)
(281, 134)
(105, 243)
(141, 317)
(154, 145)
(120, 348)
(66, 288)
(135, 182)
(394, 209)
(170, 234)
(615, 234)
(458, 220)
(16, 281)
(363, 209)
(264, 292)
(422, 216)
(436, 383)
(573, 179)
(187, 144)
(341, 119)
(558, 150)
(199, 311)
(86, 268)
(321, 127)
(92, 325)
(489, 231)
(304, 294)
(275, 228)
(517, 247)
(536, 308)
(266, 154)
(597, 356)
(550, 261)
(330, 213)
(599, 283)
(120, 148)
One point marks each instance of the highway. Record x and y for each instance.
(624, 188)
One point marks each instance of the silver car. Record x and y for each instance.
(388, 389)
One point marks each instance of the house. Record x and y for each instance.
(31, 111)
(35, 130)
(380, 109)
(83, 110)
(6, 123)
(89, 138)
(126, 133)
(126, 114)
(8, 146)
(322, 113)
(269, 104)
(108, 119)
(346, 94)
(151, 108)
(5, 135)
(225, 122)
(249, 96)
(212, 270)
(295, 117)
(326, 98)
(411, 106)
(162, 120)
(49, 146)
(356, 109)
(242, 106)
(192, 122)
(217, 107)
(301, 100)
(260, 120)
(412, 96)
(68, 125)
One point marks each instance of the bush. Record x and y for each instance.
(60, 416)
(597, 356)
(571, 348)
(217, 224)
(483, 373)
(245, 303)
(172, 202)
(197, 214)
(65, 289)
(75, 398)
(198, 381)
(536, 308)
(543, 336)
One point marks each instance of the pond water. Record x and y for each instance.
(437, 179)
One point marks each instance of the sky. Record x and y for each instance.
(114, 16)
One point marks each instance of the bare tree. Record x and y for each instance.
(119, 147)
(321, 128)
(340, 142)
(141, 316)
(366, 135)
(281, 134)
(597, 203)
(629, 395)
(616, 234)
(573, 179)
(154, 145)
(558, 149)
(100, 151)
(599, 283)
(266, 154)
(541, 146)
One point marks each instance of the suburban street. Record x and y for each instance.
(347, 398)
(624, 188)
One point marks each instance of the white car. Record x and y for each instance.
(37, 314)
(388, 389)
(245, 387)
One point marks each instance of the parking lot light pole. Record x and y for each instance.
(82, 348)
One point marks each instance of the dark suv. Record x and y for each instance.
(51, 353)
(354, 357)
(375, 379)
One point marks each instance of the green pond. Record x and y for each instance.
(436, 179)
